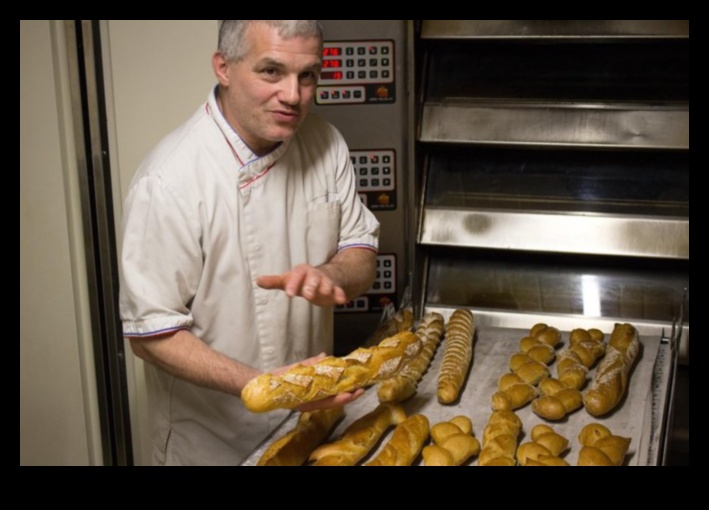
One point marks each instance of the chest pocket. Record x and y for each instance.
(323, 231)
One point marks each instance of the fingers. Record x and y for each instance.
(338, 400)
(307, 282)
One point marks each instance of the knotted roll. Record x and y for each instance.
(331, 375)
(600, 447)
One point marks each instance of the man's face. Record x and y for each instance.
(266, 96)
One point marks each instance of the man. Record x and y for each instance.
(242, 230)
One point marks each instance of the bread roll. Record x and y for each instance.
(562, 396)
(600, 447)
(295, 446)
(610, 381)
(455, 437)
(500, 438)
(359, 437)
(405, 444)
(331, 375)
(457, 355)
(403, 385)
(545, 449)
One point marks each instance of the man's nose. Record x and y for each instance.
(290, 90)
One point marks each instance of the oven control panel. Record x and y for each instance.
(357, 72)
(383, 290)
(375, 175)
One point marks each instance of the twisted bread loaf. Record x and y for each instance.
(545, 449)
(610, 382)
(405, 444)
(537, 351)
(599, 447)
(359, 437)
(453, 443)
(513, 392)
(500, 439)
(562, 395)
(330, 375)
(295, 446)
(404, 384)
(457, 355)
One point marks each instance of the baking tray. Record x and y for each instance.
(635, 418)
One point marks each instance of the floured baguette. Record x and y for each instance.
(405, 444)
(294, 447)
(457, 355)
(359, 437)
(403, 385)
(331, 375)
(610, 382)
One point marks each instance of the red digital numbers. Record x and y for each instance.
(332, 52)
(329, 64)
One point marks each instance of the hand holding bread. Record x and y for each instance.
(331, 375)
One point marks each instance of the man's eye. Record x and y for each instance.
(270, 71)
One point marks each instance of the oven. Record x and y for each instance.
(551, 174)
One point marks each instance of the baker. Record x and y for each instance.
(242, 230)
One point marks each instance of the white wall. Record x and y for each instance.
(158, 72)
(58, 412)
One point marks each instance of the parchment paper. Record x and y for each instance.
(492, 350)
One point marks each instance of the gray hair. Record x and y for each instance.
(232, 44)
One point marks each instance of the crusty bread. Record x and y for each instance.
(403, 385)
(405, 444)
(600, 447)
(457, 355)
(455, 438)
(610, 381)
(331, 375)
(544, 449)
(294, 447)
(500, 438)
(562, 395)
(359, 437)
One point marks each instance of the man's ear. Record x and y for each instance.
(221, 69)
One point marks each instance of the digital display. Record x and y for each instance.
(328, 64)
(332, 52)
(331, 75)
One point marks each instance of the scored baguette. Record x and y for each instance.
(610, 382)
(457, 355)
(294, 447)
(359, 437)
(404, 384)
(331, 375)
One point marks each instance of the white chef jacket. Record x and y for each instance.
(204, 217)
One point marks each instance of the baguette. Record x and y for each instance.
(403, 385)
(457, 355)
(294, 447)
(610, 382)
(331, 375)
(402, 320)
(359, 437)
(405, 444)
